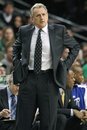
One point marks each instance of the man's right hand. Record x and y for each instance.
(78, 114)
(5, 113)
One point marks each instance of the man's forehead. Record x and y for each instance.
(41, 9)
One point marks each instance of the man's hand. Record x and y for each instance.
(85, 115)
(78, 114)
(5, 113)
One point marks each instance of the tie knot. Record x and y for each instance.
(12, 96)
(39, 31)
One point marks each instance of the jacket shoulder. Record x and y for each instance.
(24, 27)
(58, 26)
(3, 90)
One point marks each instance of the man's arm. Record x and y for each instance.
(64, 111)
(70, 112)
(17, 48)
(73, 46)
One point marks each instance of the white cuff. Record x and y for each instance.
(72, 112)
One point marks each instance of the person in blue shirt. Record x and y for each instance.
(78, 91)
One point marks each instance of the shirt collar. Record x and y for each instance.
(44, 29)
(9, 92)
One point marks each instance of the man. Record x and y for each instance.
(7, 111)
(69, 116)
(7, 60)
(79, 93)
(2, 76)
(38, 69)
(7, 15)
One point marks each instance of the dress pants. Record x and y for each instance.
(7, 125)
(38, 90)
(66, 123)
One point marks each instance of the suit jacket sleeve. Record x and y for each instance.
(70, 105)
(64, 111)
(73, 46)
(17, 47)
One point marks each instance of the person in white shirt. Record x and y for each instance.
(7, 108)
(38, 68)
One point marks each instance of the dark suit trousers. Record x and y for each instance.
(7, 125)
(72, 123)
(37, 91)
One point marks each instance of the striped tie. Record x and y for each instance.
(13, 107)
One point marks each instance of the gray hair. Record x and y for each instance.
(37, 5)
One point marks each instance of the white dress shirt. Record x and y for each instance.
(7, 17)
(46, 50)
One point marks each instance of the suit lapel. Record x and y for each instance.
(52, 37)
(29, 36)
(54, 46)
(53, 43)
(60, 101)
(66, 99)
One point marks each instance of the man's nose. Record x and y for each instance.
(41, 16)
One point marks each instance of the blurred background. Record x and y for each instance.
(14, 13)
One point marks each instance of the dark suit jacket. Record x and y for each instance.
(68, 104)
(3, 99)
(58, 40)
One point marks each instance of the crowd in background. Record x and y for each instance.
(10, 22)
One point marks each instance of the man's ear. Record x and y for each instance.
(32, 20)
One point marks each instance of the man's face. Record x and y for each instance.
(18, 21)
(9, 34)
(10, 53)
(70, 79)
(2, 71)
(40, 17)
(14, 88)
(9, 9)
(79, 76)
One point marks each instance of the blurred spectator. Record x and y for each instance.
(68, 114)
(7, 15)
(79, 89)
(8, 36)
(84, 50)
(2, 69)
(1, 39)
(18, 21)
(2, 75)
(28, 18)
(8, 96)
(7, 61)
(85, 72)
(76, 63)
(2, 48)
(70, 32)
